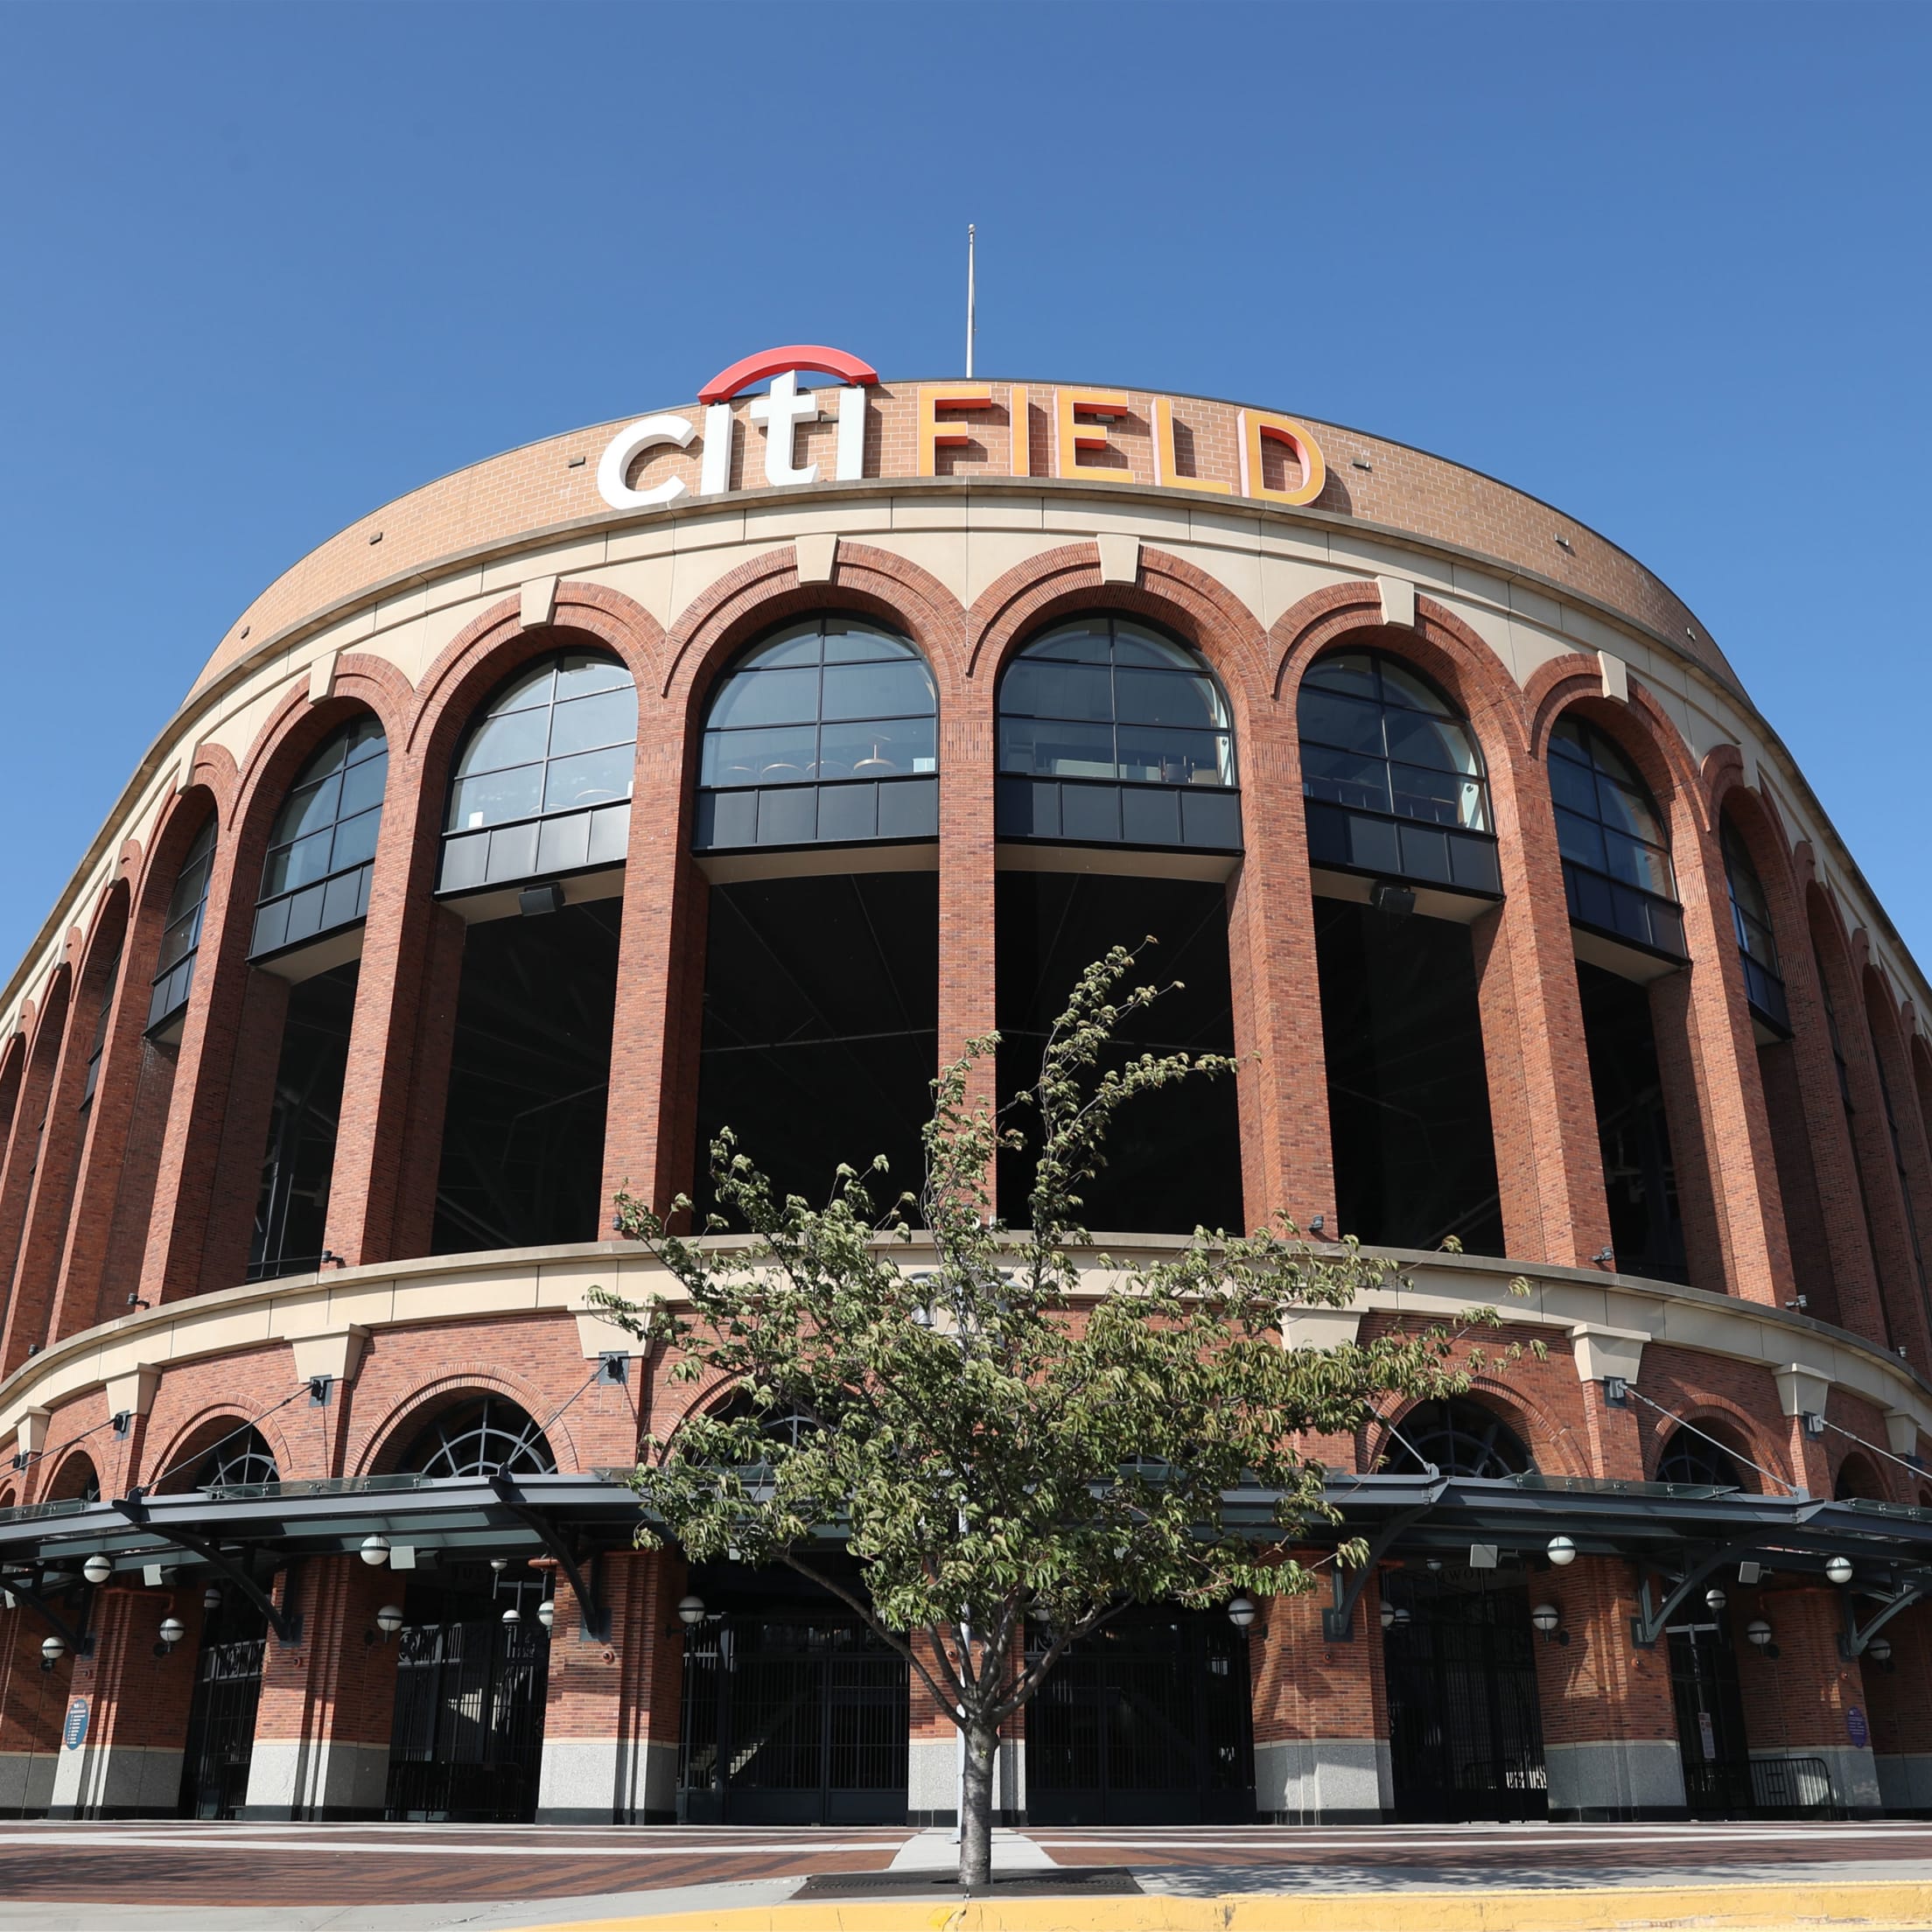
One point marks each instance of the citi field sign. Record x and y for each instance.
(1077, 421)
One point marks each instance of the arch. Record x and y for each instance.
(1167, 592)
(1857, 1479)
(1460, 1435)
(387, 1451)
(74, 1478)
(219, 1429)
(1739, 1443)
(1643, 730)
(765, 591)
(479, 1435)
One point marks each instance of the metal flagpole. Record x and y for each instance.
(971, 326)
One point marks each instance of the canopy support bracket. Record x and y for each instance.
(1856, 1637)
(287, 1627)
(1649, 1624)
(595, 1619)
(1338, 1619)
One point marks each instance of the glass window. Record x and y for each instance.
(825, 701)
(1750, 909)
(1109, 699)
(327, 827)
(181, 936)
(1460, 1437)
(1606, 820)
(479, 1439)
(1375, 737)
(559, 737)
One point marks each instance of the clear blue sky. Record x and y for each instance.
(266, 267)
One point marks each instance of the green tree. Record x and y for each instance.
(1017, 1428)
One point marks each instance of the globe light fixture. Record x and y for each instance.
(1879, 1650)
(1758, 1632)
(1715, 1599)
(513, 1615)
(97, 1569)
(172, 1631)
(211, 1597)
(376, 1551)
(54, 1648)
(546, 1613)
(1561, 1551)
(1546, 1617)
(1839, 1569)
(1387, 1615)
(1241, 1613)
(691, 1610)
(389, 1619)
(1403, 1617)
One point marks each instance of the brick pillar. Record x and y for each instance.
(1799, 1704)
(396, 1080)
(128, 1765)
(1805, 1225)
(1901, 1712)
(1287, 1159)
(33, 1702)
(931, 1753)
(650, 1128)
(968, 951)
(613, 1705)
(1609, 1728)
(1320, 1715)
(1704, 1016)
(25, 1154)
(1541, 1112)
(322, 1727)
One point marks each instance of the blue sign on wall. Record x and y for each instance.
(74, 1730)
(1854, 1722)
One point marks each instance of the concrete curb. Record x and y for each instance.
(1844, 1907)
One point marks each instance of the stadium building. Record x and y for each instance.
(735, 765)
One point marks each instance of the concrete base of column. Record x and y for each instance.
(1323, 1780)
(1617, 1778)
(316, 1779)
(26, 1784)
(1905, 1781)
(1853, 1771)
(606, 1781)
(932, 1781)
(123, 1781)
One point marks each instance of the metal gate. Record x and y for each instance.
(1703, 1687)
(1145, 1722)
(1465, 1727)
(227, 1688)
(792, 1722)
(468, 1736)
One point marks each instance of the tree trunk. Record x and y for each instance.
(976, 1836)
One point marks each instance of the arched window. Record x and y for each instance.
(1459, 1437)
(1110, 734)
(1757, 945)
(181, 936)
(824, 734)
(237, 1460)
(481, 1437)
(1698, 1462)
(543, 785)
(1616, 850)
(322, 850)
(1394, 781)
(1856, 1481)
(76, 1480)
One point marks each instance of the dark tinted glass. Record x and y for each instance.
(1106, 699)
(822, 702)
(1606, 820)
(560, 737)
(333, 812)
(1376, 738)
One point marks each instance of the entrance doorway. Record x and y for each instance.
(466, 1744)
(227, 1690)
(1703, 1687)
(792, 1718)
(1464, 1728)
(1145, 1722)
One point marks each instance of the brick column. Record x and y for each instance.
(1901, 1712)
(128, 1765)
(612, 1706)
(1320, 1715)
(25, 1151)
(1609, 1727)
(322, 1727)
(33, 1701)
(1798, 1703)
(1287, 1159)
(1541, 1112)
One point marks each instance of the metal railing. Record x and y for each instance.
(1792, 1787)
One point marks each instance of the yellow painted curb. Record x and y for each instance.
(1854, 1907)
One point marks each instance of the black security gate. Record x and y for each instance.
(1703, 1687)
(1145, 1722)
(227, 1689)
(468, 1736)
(792, 1721)
(1464, 1728)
